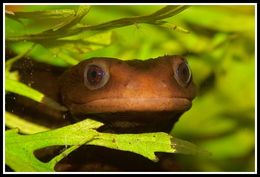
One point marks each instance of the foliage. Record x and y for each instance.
(22, 146)
(218, 41)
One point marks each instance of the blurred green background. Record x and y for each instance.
(220, 48)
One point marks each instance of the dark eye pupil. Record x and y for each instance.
(184, 73)
(95, 74)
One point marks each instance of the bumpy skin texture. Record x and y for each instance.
(139, 96)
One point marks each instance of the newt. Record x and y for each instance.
(131, 96)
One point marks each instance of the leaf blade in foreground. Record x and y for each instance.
(145, 144)
(22, 146)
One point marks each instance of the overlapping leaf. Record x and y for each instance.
(83, 133)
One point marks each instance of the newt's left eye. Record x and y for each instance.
(95, 76)
(183, 74)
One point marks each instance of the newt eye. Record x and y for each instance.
(183, 74)
(95, 76)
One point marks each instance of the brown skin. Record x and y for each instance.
(137, 96)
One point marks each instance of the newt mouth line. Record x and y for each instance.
(132, 104)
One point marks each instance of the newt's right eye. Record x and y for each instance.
(182, 72)
(95, 76)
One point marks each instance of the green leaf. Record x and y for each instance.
(22, 89)
(40, 54)
(78, 45)
(50, 20)
(13, 121)
(163, 13)
(146, 144)
(79, 14)
(22, 146)
(41, 15)
(185, 147)
(168, 11)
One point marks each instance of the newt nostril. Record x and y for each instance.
(131, 85)
(162, 84)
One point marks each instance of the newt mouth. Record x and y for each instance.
(132, 104)
(133, 115)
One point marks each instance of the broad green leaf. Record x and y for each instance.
(22, 146)
(65, 56)
(22, 89)
(146, 144)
